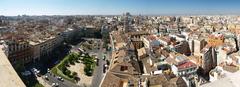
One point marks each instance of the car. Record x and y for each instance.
(46, 77)
(33, 70)
(1, 42)
(104, 57)
(105, 65)
(97, 62)
(55, 84)
(60, 78)
(104, 68)
(56, 62)
(36, 72)
(48, 70)
(80, 61)
(26, 73)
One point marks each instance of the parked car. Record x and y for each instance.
(105, 66)
(55, 84)
(60, 78)
(56, 62)
(46, 77)
(104, 57)
(48, 70)
(26, 73)
(97, 62)
(36, 72)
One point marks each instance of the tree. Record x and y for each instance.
(75, 57)
(67, 72)
(70, 58)
(62, 67)
(88, 70)
(77, 79)
(74, 74)
(65, 62)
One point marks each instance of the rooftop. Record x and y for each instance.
(35, 42)
(187, 64)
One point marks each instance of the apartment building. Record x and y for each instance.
(16, 47)
(45, 46)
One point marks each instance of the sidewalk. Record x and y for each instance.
(41, 81)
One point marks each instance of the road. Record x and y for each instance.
(53, 79)
(98, 71)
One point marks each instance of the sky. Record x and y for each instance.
(118, 7)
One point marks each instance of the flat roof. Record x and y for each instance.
(40, 41)
(9, 77)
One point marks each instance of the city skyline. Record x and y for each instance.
(119, 43)
(113, 7)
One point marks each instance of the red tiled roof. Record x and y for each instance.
(152, 37)
(167, 39)
(216, 36)
(187, 64)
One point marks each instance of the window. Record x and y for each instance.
(123, 68)
(115, 62)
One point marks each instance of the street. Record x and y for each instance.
(98, 71)
(65, 83)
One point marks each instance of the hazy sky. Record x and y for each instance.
(112, 7)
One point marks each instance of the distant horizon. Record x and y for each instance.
(225, 14)
(118, 7)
